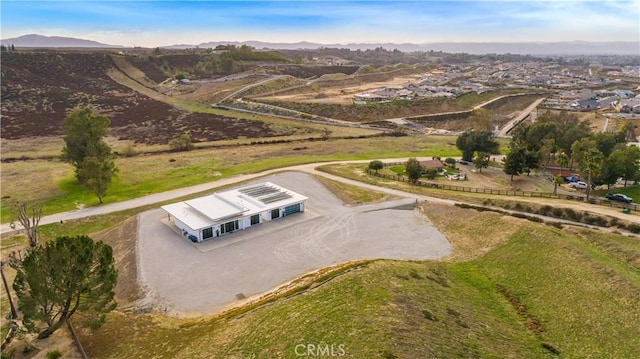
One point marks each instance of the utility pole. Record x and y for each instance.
(14, 313)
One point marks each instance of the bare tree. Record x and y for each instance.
(29, 219)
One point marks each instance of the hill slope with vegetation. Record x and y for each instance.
(538, 292)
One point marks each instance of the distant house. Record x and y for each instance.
(629, 105)
(365, 98)
(585, 105)
(436, 164)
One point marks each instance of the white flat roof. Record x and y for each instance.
(245, 201)
(215, 208)
(187, 215)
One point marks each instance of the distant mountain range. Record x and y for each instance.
(522, 48)
(33, 40)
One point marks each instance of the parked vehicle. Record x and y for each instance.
(578, 185)
(572, 178)
(619, 197)
(463, 162)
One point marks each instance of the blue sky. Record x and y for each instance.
(162, 23)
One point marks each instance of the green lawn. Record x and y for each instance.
(575, 293)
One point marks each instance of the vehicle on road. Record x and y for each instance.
(578, 185)
(619, 197)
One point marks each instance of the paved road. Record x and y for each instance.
(513, 123)
(208, 277)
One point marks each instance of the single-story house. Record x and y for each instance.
(221, 213)
(629, 106)
(437, 164)
(585, 105)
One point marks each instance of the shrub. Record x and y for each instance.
(54, 354)
(414, 274)
(634, 228)
(376, 165)
(557, 212)
(573, 215)
(428, 315)
(430, 173)
(545, 210)
(181, 143)
(450, 162)
(128, 150)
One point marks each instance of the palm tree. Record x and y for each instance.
(556, 181)
(562, 159)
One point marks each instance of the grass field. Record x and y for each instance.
(52, 183)
(536, 290)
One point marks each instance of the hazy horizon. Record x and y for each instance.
(166, 23)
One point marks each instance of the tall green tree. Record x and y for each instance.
(630, 164)
(591, 166)
(414, 170)
(481, 161)
(68, 275)
(562, 160)
(83, 138)
(376, 165)
(612, 168)
(471, 141)
(513, 162)
(86, 150)
(557, 180)
(98, 175)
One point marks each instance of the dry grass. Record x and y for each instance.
(352, 195)
(468, 239)
(122, 238)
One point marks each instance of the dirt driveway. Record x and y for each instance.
(188, 278)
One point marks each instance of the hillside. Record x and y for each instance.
(39, 88)
(537, 292)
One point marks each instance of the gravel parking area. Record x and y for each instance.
(208, 277)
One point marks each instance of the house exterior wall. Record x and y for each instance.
(217, 228)
(186, 231)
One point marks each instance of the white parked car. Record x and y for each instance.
(578, 185)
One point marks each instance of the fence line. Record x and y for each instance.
(501, 192)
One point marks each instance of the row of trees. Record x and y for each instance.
(601, 157)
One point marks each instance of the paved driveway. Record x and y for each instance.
(207, 277)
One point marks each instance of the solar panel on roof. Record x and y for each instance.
(275, 198)
(258, 191)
